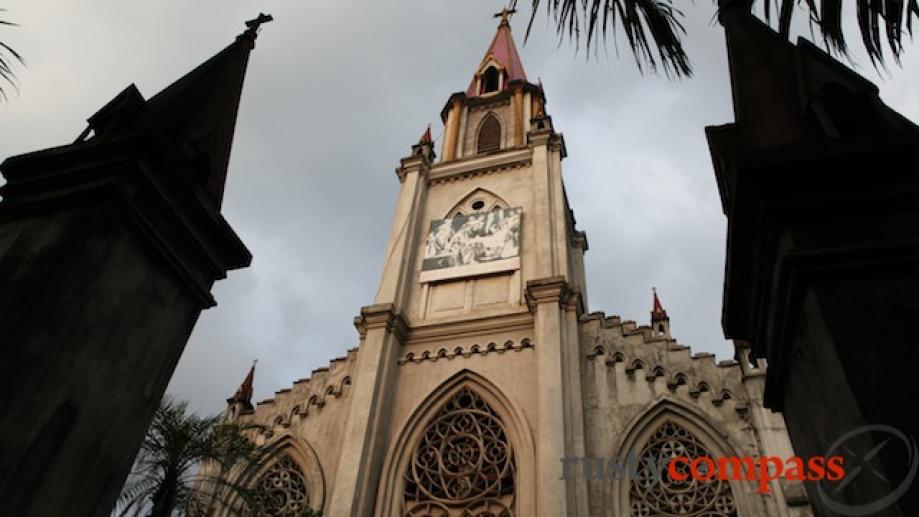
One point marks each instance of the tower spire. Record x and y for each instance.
(660, 322)
(501, 57)
(195, 117)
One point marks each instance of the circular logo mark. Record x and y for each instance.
(860, 462)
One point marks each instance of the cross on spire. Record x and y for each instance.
(505, 15)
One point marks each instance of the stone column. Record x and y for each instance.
(402, 249)
(366, 431)
(548, 299)
(549, 210)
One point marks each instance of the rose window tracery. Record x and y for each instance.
(281, 491)
(659, 495)
(464, 465)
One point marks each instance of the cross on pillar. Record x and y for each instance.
(254, 24)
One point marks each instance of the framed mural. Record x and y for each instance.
(472, 244)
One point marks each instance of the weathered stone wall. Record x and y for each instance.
(633, 382)
(311, 414)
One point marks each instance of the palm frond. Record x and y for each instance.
(6, 70)
(654, 31)
(653, 28)
(882, 24)
(190, 464)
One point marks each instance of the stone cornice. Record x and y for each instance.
(578, 239)
(382, 315)
(476, 165)
(548, 290)
(574, 302)
(416, 163)
(539, 137)
(172, 212)
(468, 351)
(432, 332)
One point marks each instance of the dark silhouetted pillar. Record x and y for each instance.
(819, 184)
(108, 250)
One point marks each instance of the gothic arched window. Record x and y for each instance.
(489, 135)
(281, 490)
(478, 201)
(650, 494)
(490, 80)
(464, 464)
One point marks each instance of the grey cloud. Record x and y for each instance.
(336, 93)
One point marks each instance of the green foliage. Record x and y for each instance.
(190, 466)
(7, 57)
(654, 31)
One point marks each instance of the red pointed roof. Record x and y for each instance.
(426, 137)
(244, 393)
(657, 312)
(503, 51)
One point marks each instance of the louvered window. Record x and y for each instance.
(489, 135)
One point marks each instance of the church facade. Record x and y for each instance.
(482, 384)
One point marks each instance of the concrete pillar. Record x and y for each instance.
(407, 220)
(367, 430)
(543, 218)
(547, 299)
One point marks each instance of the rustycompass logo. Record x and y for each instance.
(862, 450)
(852, 463)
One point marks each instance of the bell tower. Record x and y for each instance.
(483, 277)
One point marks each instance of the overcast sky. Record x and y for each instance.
(336, 92)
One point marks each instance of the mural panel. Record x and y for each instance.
(472, 245)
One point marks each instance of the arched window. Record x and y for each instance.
(464, 464)
(281, 490)
(489, 135)
(490, 80)
(650, 494)
(478, 201)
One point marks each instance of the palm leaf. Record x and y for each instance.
(6, 71)
(652, 28)
(654, 31)
(168, 474)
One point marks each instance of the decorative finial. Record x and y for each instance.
(244, 393)
(426, 137)
(505, 15)
(657, 311)
(253, 24)
(660, 322)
